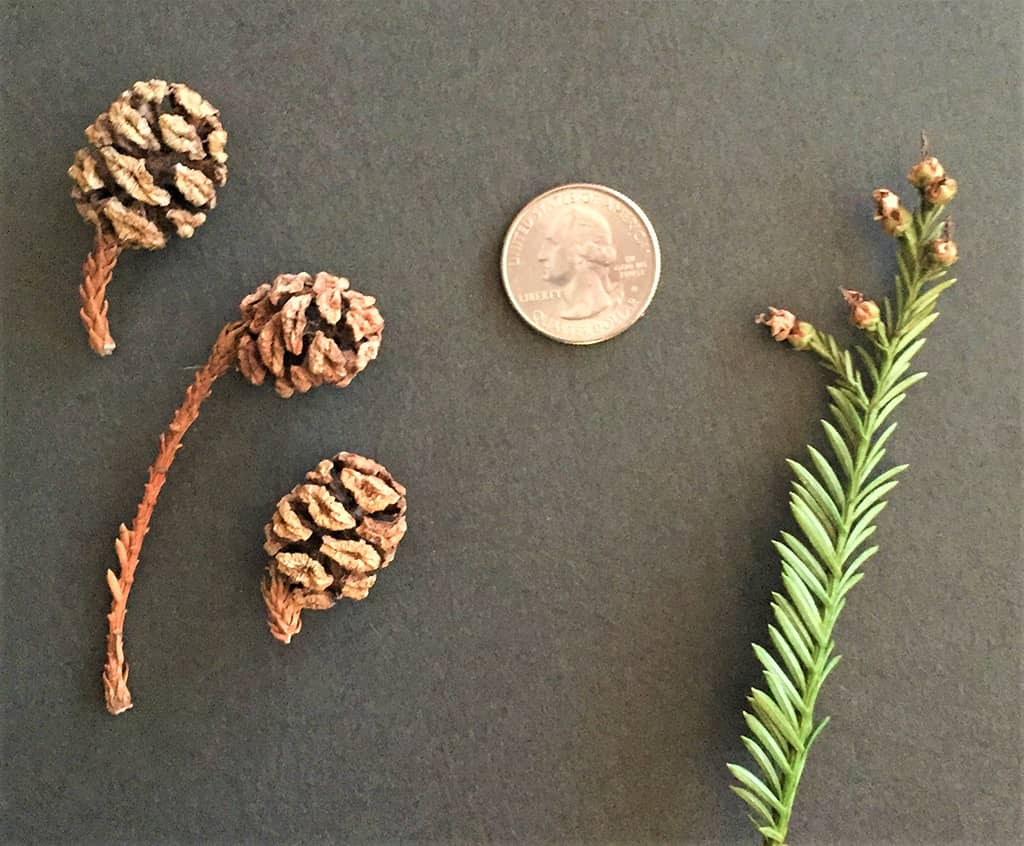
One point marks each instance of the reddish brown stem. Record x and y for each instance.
(129, 541)
(97, 271)
(283, 616)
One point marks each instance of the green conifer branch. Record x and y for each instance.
(835, 501)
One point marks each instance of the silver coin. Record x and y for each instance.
(581, 263)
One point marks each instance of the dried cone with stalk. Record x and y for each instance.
(151, 171)
(329, 537)
(300, 330)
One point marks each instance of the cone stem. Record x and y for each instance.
(284, 617)
(97, 271)
(129, 541)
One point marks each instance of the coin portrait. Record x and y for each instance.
(581, 263)
(576, 255)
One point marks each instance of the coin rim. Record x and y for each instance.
(639, 212)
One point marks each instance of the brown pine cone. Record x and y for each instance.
(305, 331)
(329, 537)
(155, 159)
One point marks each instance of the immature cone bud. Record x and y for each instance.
(894, 217)
(940, 191)
(801, 336)
(943, 252)
(779, 322)
(329, 537)
(155, 159)
(785, 327)
(305, 331)
(864, 314)
(925, 171)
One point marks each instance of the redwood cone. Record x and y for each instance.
(304, 331)
(155, 159)
(329, 537)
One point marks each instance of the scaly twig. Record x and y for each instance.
(284, 616)
(92, 293)
(129, 541)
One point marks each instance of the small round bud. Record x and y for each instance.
(894, 217)
(940, 191)
(896, 223)
(864, 313)
(943, 252)
(801, 336)
(886, 202)
(925, 171)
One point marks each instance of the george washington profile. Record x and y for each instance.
(576, 256)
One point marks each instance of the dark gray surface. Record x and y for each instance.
(561, 650)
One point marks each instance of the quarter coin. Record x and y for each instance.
(581, 263)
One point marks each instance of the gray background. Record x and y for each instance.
(561, 649)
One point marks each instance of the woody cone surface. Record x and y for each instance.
(328, 538)
(151, 170)
(303, 331)
(155, 159)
